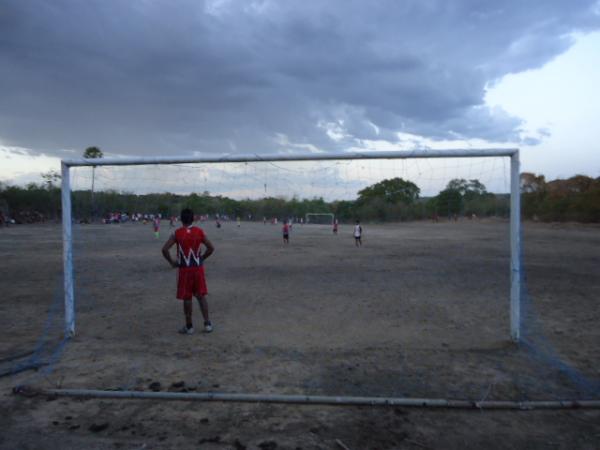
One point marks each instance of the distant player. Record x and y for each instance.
(286, 232)
(239, 221)
(156, 226)
(335, 226)
(357, 234)
(190, 262)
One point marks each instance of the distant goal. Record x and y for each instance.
(320, 218)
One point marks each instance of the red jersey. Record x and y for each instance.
(189, 242)
(286, 228)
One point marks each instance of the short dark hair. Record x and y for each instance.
(187, 216)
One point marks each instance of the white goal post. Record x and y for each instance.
(328, 215)
(515, 205)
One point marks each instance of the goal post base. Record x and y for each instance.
(312, 399)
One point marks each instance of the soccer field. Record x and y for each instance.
(420, 310)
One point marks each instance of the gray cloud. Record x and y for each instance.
(219, 76)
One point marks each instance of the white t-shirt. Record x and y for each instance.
(357, 231)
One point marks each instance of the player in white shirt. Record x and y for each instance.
(357, 234)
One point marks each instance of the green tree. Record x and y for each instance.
(464, 196)
(93, 153)
(395, 190)
(466, 188)
(449, 201)
(530, 182)
(51, 179)
(533, 192)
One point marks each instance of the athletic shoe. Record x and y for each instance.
(208, 326)
(186, 330)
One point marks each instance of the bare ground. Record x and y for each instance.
(421, 310)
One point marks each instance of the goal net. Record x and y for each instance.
(432, 298)
(319, 218)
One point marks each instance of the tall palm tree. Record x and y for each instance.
(93, 153)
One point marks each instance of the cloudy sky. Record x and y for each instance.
(173, 77)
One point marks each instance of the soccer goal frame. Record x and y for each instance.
(515, 205)
(308, 215)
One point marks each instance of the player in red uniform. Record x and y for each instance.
(190, 261)
(286, 232)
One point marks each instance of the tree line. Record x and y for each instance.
(396, 199)
(576, 199)
(389, 200)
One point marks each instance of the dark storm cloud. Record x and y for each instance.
(152, 77)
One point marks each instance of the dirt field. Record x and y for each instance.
(421, 310)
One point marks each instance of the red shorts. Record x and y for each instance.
(190, 281)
